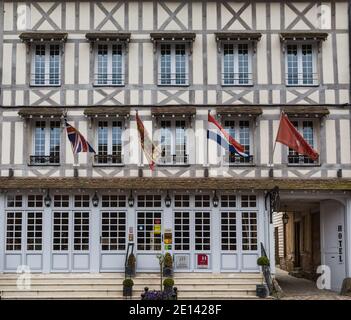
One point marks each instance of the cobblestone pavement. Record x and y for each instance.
(303, 289)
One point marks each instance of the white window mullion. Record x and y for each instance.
(47, 64)
(236, 66)
(47, 138)
(109, 138)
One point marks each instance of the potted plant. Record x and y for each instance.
(128, 287)
(261, 289)
(130, 268)
(168, 265)
(168, 284)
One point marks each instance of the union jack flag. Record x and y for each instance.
(78, 142)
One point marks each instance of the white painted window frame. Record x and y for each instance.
(299, 45)
(109, 140)
(224, 153)
(47, 64)
(236, 63)
(315, 140)
(109, 64)
(174, 141)
(47, 138)
(173, 63)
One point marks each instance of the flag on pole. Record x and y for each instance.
(288, 135)
(224, 139)
(151, 152)
(78, 142)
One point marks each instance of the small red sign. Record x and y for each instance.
(157, 221)
(202, 260)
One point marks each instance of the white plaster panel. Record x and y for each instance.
(212, 59)
(69, 63)
(21, 54)
(19, 142)
(330, 141)
(6, 143)
(345, 141)
(7, 67)
(133, 53)
(148, 65)
(264, 140)
(342, 57)
(84, 66)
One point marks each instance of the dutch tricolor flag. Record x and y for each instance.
(223, 138)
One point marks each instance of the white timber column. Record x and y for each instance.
(95, 237)
(47, 237)
(2, 231)
(215, 238)
(348, 238)
(167, 219)
(131, 223)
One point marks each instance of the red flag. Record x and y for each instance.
(288, 135)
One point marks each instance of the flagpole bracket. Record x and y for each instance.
(273, 196)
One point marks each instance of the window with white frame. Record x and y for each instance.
(228, 231)
(46, 65)
(81, 231)
(113, 230)
(306, 129)
(14, 231)
(47, 135)
(301, 65)
(34, 231)
(173, 64)
(240, 130)
(60, 231)
(249, 230)
(173, 142)
(236, 63)
(109, 65)
(109, 140)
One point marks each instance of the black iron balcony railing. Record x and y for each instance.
(236, 159)
(104, 79)
(174, 159)
(300, 159)
(173, 79)
(44, 160)
(108, 159)
(236, 79)
(301, 79)
(45, 79)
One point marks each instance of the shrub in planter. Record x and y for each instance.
(261, 289)
(130, 268)
(168, 284)
(128, 287)
(168, 265)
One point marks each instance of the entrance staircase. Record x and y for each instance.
(109, 285)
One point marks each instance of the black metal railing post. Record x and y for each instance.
(266, 270)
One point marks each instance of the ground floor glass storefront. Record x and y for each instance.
(73, 233)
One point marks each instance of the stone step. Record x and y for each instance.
(116, 282)
(194, 287)
(117, 293)
(120, 275)
(109, 286)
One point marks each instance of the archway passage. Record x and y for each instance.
(311, 238)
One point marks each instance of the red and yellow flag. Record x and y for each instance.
(151, 152)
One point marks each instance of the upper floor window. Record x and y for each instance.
(109, 140)
(301, 64)
(109, 66)
(173, 142)
(173, 64)
(306, 129)
(240, 130)
(46, 142)
(46, 65)
(236, 64)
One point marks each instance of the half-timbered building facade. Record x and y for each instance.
(97, 63)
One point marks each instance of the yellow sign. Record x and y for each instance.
(157, 229)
